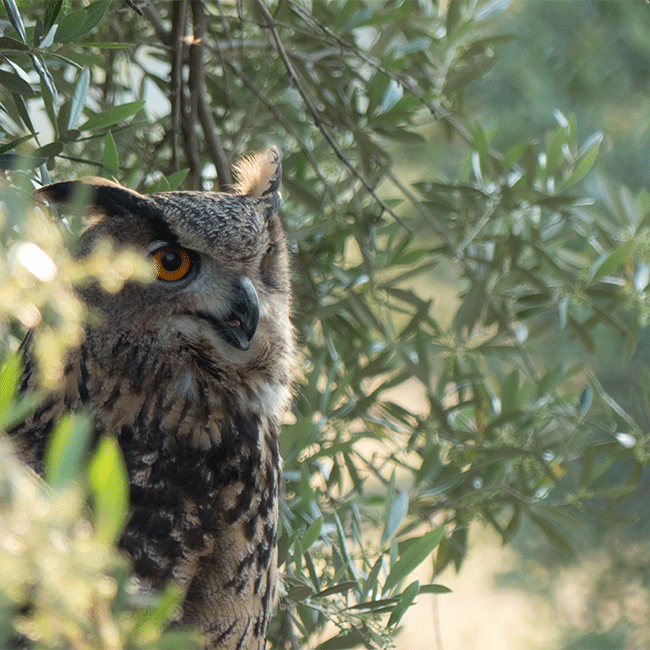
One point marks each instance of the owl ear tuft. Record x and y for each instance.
(258, 174)
(108, 199)
(100, 193)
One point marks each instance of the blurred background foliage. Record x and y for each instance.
(464, 187)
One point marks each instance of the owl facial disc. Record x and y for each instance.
(238, 326)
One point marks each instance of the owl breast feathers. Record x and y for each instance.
(193, 374)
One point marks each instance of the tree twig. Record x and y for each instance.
(435, 108)
(150, 13)
(179, 18)
(318, 121)
(285, 124)
(199, 102)
(471, 273)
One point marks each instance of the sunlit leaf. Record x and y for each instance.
(110, 160)
(51, 13)
(77, 24)
(15, 84)
(110, 488)
(396, 513)
(417, 552)
(78, 100)
(405, 601)
(112, 116)
(584, 164)
(9, 377)
(15, 19)
(66, 449)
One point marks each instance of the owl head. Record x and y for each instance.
(222, 285)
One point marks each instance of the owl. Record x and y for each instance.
(193, 374)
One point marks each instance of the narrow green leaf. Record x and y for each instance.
(398, 510)
(14, 143)
(514, 154)
(15, 161)
(112, 116)
(434, 589)
(406, 600)
(374, 604)
(21, 107)
(391, 96)
(45, 76)
(610, 262)
(11, 44)
(584, 164)
(79, 23)
(336, 589)
(168, 183)
(371, 581)
(161, 185)
(585, 401)
(556, 538)
(110, 160)
(15, 84)
(176, 179)
(49, 107)
(509, 393)
(94, 14)
(51, 12)
(431, 466)
(109, 486)
(70, 26)
(554, 154)
(454, 9)
(14, 18)
(300, 592)
(344, 550)
(9, 377)
(416, 553)
(107, 46)
(311, 534)
(78, 100)
(342, 641)
(66, 449)
(49, 150)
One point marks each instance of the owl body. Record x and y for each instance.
(193, 375)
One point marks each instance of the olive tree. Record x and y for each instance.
(425, 263)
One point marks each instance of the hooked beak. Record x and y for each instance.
(238, 326)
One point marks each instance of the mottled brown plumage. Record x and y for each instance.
(193, 375)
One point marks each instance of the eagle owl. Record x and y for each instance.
(193, 374)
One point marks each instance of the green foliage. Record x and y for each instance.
(438, 281)
(62, 584)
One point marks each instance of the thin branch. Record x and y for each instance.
(471, 273)
(435, 108)
(273, 109)
(176, 76)
(195, 88)
(200, 106)
(150, 13)
(318, 121)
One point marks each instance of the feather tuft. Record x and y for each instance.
(259, 174)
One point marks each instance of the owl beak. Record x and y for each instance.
(238, 327)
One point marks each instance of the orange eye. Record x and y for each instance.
(171, 264)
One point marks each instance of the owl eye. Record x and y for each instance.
(171, 264)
